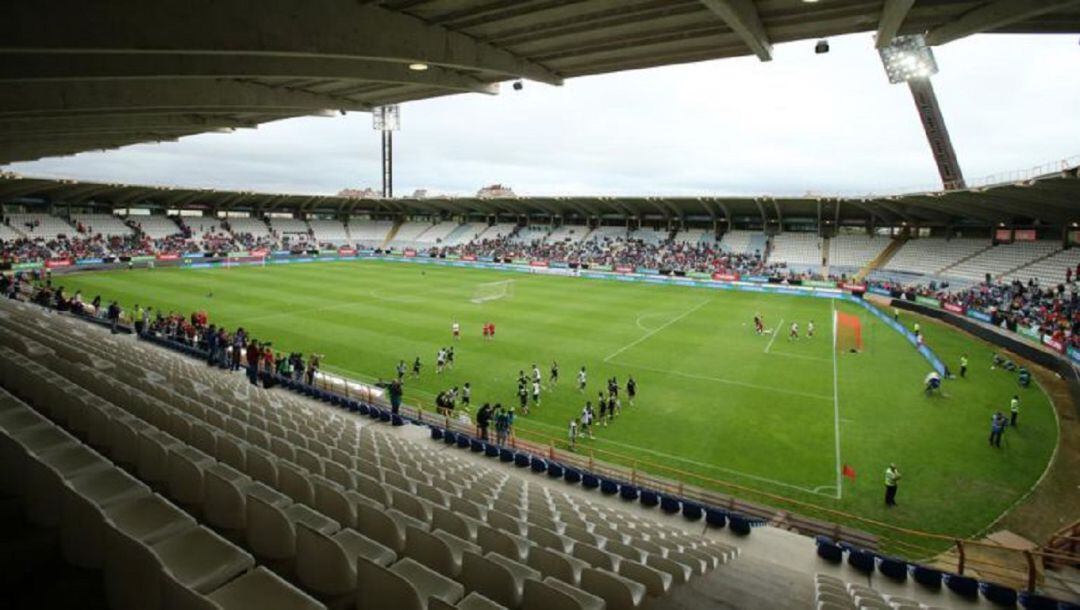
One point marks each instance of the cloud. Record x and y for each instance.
(803, 122)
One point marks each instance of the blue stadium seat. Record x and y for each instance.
(572, 476)
(450, 437)
(608, 487)
(364, 410)
(436, 433)
(692, 511)
(384, 416)
(998, 595)
(669, 505)
(896, 569)
(397, 420)
(491, 450)
(715, 517)
(861, 560)
(649, 498)
(590, 481)
(828, 550)
(1033, 601)
(927, 577)
(554, 470)
(506, 455)
(354, 406)
(521, 460)
(538, 465)
(463, 441)
(629, 492)
(962, 585)
(738, 525)
(476, 445)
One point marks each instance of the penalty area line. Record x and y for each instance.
(656, 330)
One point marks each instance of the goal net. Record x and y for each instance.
(848, 332)
(492, 291)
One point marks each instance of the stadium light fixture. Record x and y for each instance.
(907, 58)
(418, 66)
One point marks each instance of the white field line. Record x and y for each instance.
(687, 461)
(836, 406)
(656, 330)
(725, 381)
(779, 325)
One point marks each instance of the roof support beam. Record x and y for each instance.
(100, 124)
(743, 19)
(31, 67)
(90, 97)
(892, 17)
(991, 16)
(278, 28)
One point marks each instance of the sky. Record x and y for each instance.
(800, 124)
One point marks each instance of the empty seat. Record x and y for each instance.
(656, 582)
(83, 524)
(271, 528)
(262, 589)
(225, 497)
(503, 543)
(553, 594)
(549, 539)
(619, 592)
(46, 473)
(496, 577)
(380, 527)
(185, 475)
(326, 564)
(551, 563)
(439, 551)
(406, 585)
(196, 561)
(597, 557)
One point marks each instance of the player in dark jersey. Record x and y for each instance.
(759, 326)
(554, 380)
(631, 389)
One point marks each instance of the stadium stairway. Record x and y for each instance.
(882, 258)
(392, 232)
(944, 271)
(294, 500)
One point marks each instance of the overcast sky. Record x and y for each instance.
(801, 123)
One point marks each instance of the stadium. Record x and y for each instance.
(219, 398)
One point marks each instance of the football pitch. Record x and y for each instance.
(715, 400)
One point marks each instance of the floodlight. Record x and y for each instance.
(821, 47)
(386, 118)
(907, 58)
(418, 67)
(518, 85)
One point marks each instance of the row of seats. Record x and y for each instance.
(107, 225)
(152, 553)
(309, 474)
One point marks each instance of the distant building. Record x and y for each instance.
(495, 191)
(420, 194)
(368, 193)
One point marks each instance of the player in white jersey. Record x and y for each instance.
(794, 331)
(455, 329)
(810, 329)
(536, 393)
(581, 380)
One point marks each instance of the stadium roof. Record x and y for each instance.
(80, 76)
(1052, 199)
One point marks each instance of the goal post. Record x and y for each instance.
(848, 330)
(491, 291)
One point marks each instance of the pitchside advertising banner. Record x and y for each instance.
(1074, 355)
(928, 301)
(953, 307)
(979, 315)
(1053, 343)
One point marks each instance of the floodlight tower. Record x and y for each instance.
(387, 119)
(908, 59)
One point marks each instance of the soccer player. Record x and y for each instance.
(536, 373)
(1014, 408)
(522, 379)
(523, 399)
(466, 395)
(450, 356)
(536, 393)
(810, 330)
(759, 326)
(794, 331)
(554, 380)
(416, 367)
(614, 407)
(581, 380)
(631, 389)
(486, 333)
(932, 382)
(455, 330)
(401, 370)
(586, 420)
(603, 409)
(572, 433)
(440, 361)
(491, 329)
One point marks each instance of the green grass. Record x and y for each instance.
(715, 399)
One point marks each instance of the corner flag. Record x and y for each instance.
(848, 472)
